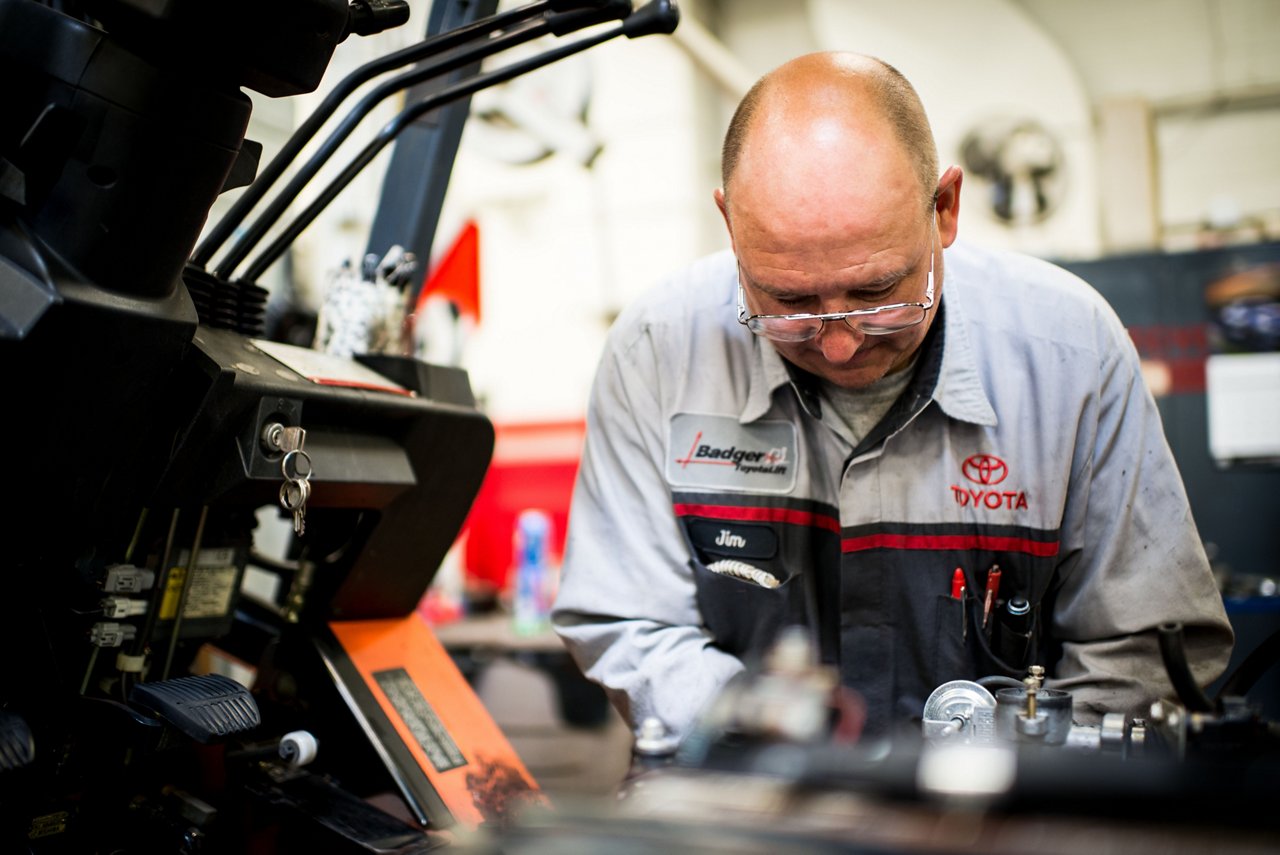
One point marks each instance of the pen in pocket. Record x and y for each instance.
(993, 589)
(957, 593)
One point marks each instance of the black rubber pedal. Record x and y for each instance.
(17, 748)
(205, 707)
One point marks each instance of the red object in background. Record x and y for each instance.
(534, 466)
(457, 276)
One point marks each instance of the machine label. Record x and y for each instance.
(719, 452)
(48, 825)
(420, 718)
(212, 586)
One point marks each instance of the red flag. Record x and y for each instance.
(457, 275)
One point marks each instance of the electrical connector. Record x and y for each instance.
(127, 579)
(122, 607)
(111, 634)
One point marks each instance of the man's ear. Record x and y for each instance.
(947, 206)
(718, 195)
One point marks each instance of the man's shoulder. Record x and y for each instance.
(1021, 293)
(1004, 270)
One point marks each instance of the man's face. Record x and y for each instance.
(827, 213)
(824, 271)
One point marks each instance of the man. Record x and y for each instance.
(814, 430)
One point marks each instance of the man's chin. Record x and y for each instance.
(854, 376)
(865, 368)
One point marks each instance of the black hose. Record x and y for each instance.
(1173, 650)
(1263, 658)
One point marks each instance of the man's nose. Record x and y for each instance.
(839, 341)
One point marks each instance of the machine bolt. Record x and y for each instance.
(1035, 677)
(653, 740)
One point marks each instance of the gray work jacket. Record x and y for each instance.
(1027, 440)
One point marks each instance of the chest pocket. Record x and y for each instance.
(1005, 640)
(749, 579)
(743, 613)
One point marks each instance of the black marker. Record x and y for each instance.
(1019, 614)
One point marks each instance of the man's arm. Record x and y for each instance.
(1134, 559)
(626, 607)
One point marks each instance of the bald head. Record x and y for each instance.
(830, 103)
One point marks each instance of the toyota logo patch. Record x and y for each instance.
(985, 469)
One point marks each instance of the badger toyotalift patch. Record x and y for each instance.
(720, 452)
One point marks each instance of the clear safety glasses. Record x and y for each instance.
(877, 320)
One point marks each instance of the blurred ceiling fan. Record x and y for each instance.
(1021, 163)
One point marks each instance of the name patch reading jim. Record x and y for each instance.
(718, 452)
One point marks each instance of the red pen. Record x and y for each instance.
(957, 584)
(993, 588)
